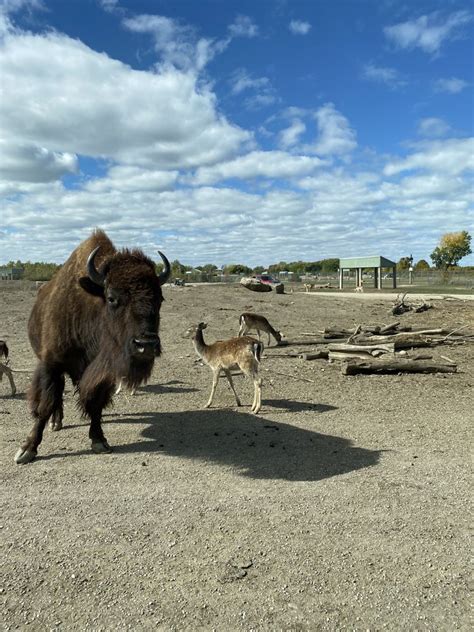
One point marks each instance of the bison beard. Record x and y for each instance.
(98, 329)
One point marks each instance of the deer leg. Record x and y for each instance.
(45, 396)
(9, 374)
(257, 400)
(229, 377)
(215, 379)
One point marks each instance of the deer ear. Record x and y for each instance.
(91, 288)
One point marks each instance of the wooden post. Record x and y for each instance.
(376, 278)
(394, 274)
(380, 278)
(341, 278)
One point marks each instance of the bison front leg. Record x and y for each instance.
(93, 402)
(45, 397)
(56, 422)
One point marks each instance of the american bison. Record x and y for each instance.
(97, 321)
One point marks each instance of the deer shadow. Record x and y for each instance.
(297, 407)
(165, 388)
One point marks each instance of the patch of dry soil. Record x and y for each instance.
(342, 506)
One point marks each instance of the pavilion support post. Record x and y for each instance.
(341, 278)
(379, 278)
(394, 275)
(376, 278)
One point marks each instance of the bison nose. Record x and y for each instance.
(146, 345)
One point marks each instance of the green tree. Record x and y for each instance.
(177, 268)
(404, 263)
(313, 267)
(209, 268)
(258, 270)
(329, 265)
(452, 248)
(237, 268)
(422, 265)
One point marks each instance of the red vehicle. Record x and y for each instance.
(267, 278)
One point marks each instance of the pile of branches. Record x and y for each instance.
(400, 306)
(385, 349)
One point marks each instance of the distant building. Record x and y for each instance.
(376, 263)
(11, 274)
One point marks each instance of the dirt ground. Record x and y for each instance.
(343, 505)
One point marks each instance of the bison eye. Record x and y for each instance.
(112, 301)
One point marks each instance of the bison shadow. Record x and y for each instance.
(254, 446)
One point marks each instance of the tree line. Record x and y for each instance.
(451, 249)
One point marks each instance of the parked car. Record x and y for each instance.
(267, 278)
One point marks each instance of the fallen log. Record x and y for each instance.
(306, 343)
(401, 341)
(385, 348)
(347, 357)
(318, 355)
(388, 328)
(354, 367)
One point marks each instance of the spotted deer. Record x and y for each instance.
(223, 355)
(255, 322)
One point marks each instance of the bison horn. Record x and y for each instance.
(94, 275)
(165, 273)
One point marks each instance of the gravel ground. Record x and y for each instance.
(342, 506)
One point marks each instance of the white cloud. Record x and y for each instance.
(177, 43)
(453, 156)
(8, 7)
(256, 164)
(335, 136)
(427, 32)
(111, 6)
(451, 86)
(433, 127)
(31, 163)
(223, 225)
(299, 27)
(106, 109)
(291, 135)
(241, 81)
(389, 76)
(259, 101)
(243, 26)
(124, 179)
(264, 95)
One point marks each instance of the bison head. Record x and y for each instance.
(131, 291)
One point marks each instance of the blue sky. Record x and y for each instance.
(224, 132)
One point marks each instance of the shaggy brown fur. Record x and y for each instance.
(96, 335)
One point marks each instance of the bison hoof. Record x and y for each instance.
(101, 447)
(56, 425)
(24, 456)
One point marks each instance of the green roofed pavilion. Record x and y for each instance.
(376, 262)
